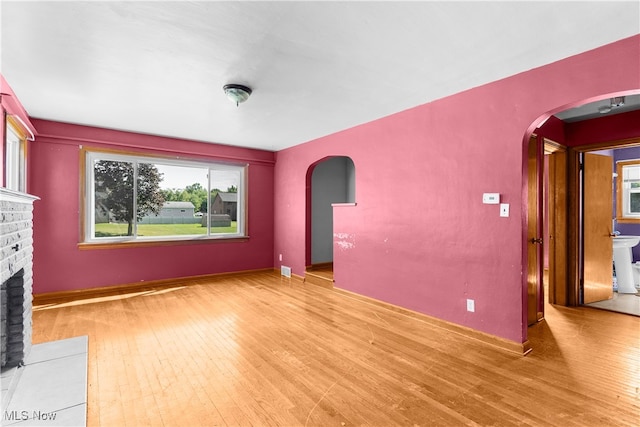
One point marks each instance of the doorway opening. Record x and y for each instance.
(329, 181)
(611, 267)
(571, 217)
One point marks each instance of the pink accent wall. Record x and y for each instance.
(419, 236)
(604, 129)
(554, 129)
(55, 176)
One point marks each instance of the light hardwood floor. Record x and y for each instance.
(263, 350)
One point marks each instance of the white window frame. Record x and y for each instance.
(92, 156)
(15, 157)
(624, 191)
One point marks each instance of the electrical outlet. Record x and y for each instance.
(471, 305)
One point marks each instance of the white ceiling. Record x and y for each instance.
(315, 67)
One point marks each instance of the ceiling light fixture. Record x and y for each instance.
(237, 93)
(616, 102)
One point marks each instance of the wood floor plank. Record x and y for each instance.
(262, 350)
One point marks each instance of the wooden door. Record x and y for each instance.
(534, 232)
(597, 225)
(557, 216)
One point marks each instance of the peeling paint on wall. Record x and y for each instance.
(344, 241)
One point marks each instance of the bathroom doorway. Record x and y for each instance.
(591, 226)
(570, 244)
(612, 156)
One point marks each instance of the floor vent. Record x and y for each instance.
(285, 271)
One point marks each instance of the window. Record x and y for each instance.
(139, 198)
(16, 156)
(628, 191)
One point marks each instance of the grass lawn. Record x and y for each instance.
(113, 229)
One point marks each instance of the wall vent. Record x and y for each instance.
(285, 271)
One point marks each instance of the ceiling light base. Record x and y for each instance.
(237, 93)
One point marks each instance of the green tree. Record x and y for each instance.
(171, 194)
(114, 184)
(195, 188)
(232, 189)
(196, 194)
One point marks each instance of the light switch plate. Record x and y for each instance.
(471, 305)
(491, 198)
(504, 209)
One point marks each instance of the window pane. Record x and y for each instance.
(15, 161)
(631, 173)
(12, 181)
(224, 201)
(113, 195)
(634, 203)
(171, 200)
(628, 183)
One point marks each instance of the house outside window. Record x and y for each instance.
(139, 198)
(226, 203)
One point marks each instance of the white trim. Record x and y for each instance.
(7, 195)
(33, 137)
(209, 166)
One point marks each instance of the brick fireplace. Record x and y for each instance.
(16, 278)
(14, 316)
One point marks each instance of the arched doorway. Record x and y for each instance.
(562, 254)
(329, 181)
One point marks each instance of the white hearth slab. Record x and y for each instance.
(52, 390)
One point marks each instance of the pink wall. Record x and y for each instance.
(444, 245)
(58, 263)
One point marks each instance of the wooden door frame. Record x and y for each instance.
(557, 221)
(535, 252)
(558, 253)
(574, 235)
